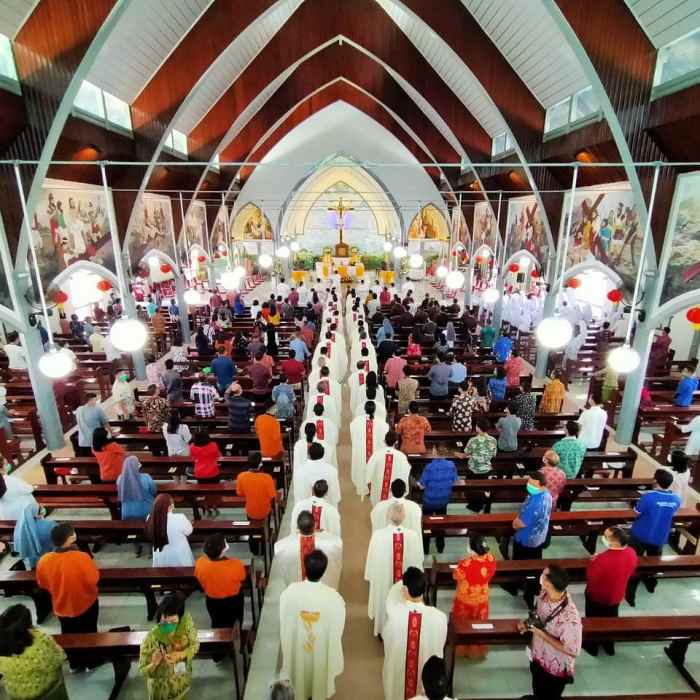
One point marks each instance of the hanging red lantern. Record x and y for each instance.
(104, 285)
(479, 260)
(60, 297)
(535, 273)
(513, 267)
(201, 258)
(615, 295)
(573, 283)
(693, 315)
(165, 268)
(143, 273)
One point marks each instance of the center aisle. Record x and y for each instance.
(364, 653)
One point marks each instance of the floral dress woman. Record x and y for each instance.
(471, 602)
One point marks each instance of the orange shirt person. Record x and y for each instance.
(257, 487)
(269, 433)
(71, 577)
(412, 429)
(109, 455)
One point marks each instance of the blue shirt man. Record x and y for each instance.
(298, 347)
(173, 309)
(439, 376)
(283, 396)
(224, 369)
(503, 348)
(458, 372)
(685, 390)
(497, 387)
(437, 480)
(656, 509)
(534, 515)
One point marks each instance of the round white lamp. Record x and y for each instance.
(153, 260)
(400, 252)
(230, 280)
(222, 248)
(388, 245)
(192, 297)
(128, 334)
(295, 246)
(56, 363)
(454, 279)
(265, 261)
(523, 262)
(442, 271)
(490, 295)
(624, 359)
(415, 261)
(283, 252)
(554, 333)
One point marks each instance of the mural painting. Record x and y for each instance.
(459, 224)
(683, 271)
(218, 231)
(70, 223)
(525, 228)
(151, 228)
(606, 228)
(484, 229)
(250, 224)
(429, 224)
(195, 231)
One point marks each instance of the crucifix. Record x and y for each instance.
(342, 250)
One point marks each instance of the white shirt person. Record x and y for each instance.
(592, 422)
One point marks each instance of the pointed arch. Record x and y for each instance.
(431, 220)
(250, 223)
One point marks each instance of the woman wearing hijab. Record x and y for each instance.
(450, 334)
(168, 532)
(15, 496)
(135, 490)
(386, 332)
(32, 537)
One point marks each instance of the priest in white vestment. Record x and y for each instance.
(379, 517)
(326, 429)
(336, 362)
(305, 475)
(386, 464)
(302, 445)
(366, 434)
(356, 380)
(413, 633)
(434, 679)
(323, 358)
(362, 343)
(331, 401)
(392, 550)
(290, 551)
(361, 396)
(326, 516)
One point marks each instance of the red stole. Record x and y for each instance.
(369, 438)
(316, 512)
(397, 558)
(328, 347)
(319, 398)
(307, 544)
(366, 365)
(333, 337)
(361, 378)
(320, 433)
(327, 388)
(354, 317)
(363, 344)
(412, 654)
(386, 479)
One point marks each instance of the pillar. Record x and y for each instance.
(469, 283)
(137, 358)
(211, 277)
(498, 307)
(182, 305)
(542, 352)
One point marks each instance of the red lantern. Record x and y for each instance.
(573, 283)
(514, 267)
(615, 295)
(479, 260)
(693, 315)
(60, 297)
(165, 268)
(201, 258)
(217, 256)
(535, 273)
(104, 285)
(143, 273)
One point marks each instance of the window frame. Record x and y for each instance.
(680, 82)
(8, 82)
(103, 121)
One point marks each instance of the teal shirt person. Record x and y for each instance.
(571, 452)
(488, 333)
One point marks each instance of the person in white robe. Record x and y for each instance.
(326, 429)
(392, 549)
(334, 361)
(307, 473)
(304, 296)
(358, 346)
(326, 516)
(434, 679)
(290, 551)
(319, 397)
(386, 465)
(370, 391)
(350, 300)
(317, 372)
(413, 633)
(379, 517)
(302, 445)
(366, 433)
(312, 620)
(356, 380)
(283, 289)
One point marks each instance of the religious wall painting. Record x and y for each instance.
(70, 224)
(195, 229)
(484, 230)
(683, 242)
(459, 225)
(429, 224)
(218, 230)
(525, 228)
(605, 228)
(251, 224)
(151, 228)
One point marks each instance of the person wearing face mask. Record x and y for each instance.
(606, 580)
(123, 395)
(165, 659)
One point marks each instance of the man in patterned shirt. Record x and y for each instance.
(155, 410)
(463, 405)
(524, 406)
(481, 449)
(571, 450)
(555, 479)
(203, 396)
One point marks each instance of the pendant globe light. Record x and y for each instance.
(265, 261)
(192, 297)
(441, 272)
(415, 261)
(454, 279)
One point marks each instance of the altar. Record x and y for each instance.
(336, 268)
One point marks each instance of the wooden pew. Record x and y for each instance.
(543, 438)
(660, 413)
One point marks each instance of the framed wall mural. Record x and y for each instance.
(429, 224)
(484, 229)
(251, 224)
(195, 230)
(682, 243)
(218, 230)
(605, 228)
(525, 228)
(151, 229)
(459, 224)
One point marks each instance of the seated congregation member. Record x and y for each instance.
(366, 435)
(284, 399)
(463, 406)
(678, 469)
(571, 450)
(607, 576)
(686, 388)
(30, 660)
(221, 580)
(224, 369)
(437, 480)
(497, 385)
(203, 395)
(385, 466)
(524, 405)
(291, 551)
(312, 672)
(508, 427)
(592, 423)
(136, 491)
(239, 409)
(206, 455)
(166, 655)
(439, 376)
(487, 336)
(379, 517)
(553, 394)
(471, 603)
(202, 343)
(557, 642)
(109, 454)
(482, 448)
(392, 549)
(412, 429)
(326, 515)
(123, 396)
(554, 477)
(308, 472)
(32, 535)
(177, 436)
(15, 496)
(269, 433)
(168, 532)
(71, 577)
(394, 369)
(155, 410)
(410, 624)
